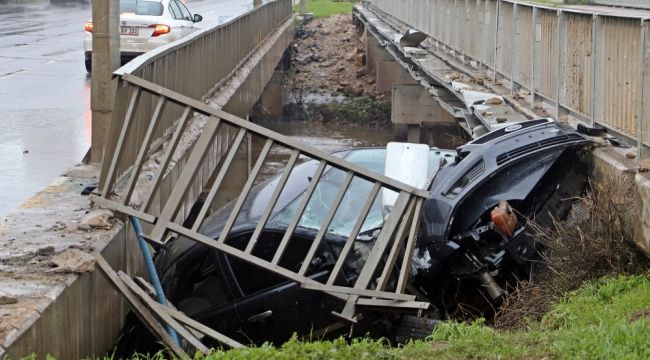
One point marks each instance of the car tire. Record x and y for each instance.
(89, 65)
(413, 327)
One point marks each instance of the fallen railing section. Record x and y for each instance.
(382, 279)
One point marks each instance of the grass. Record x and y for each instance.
(325, 8)
(607, 318)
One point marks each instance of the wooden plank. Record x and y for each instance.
(223, 339)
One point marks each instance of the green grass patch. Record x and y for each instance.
(604, 319)
(325, 8)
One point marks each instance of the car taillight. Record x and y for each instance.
(88, 26)
(159, 29)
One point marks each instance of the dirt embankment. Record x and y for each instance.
(328, 80)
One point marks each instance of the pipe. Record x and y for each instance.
(153, 275)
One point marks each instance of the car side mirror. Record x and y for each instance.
(197, 18)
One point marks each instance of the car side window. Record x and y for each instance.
(186, 15)
(175, 10)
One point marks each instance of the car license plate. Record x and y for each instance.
(128, 30)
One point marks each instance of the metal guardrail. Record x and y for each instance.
(383, 277)
(594, 67)
(641, 4)
(193, 66)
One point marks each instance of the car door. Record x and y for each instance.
(184, 17)
(273, 308)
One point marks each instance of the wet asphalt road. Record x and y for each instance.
(45, 118)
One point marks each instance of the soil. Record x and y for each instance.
(328, 80)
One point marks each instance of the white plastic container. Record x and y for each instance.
(408, 163)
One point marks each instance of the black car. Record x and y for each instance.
(473, 240)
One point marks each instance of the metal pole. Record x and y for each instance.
(153, 275)
(105, 60)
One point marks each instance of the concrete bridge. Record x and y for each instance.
(483, 64)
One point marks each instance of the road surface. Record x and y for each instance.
(45, 117)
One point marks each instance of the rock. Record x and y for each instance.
(493, 101)
(7, 300)
(360, 60)
(630, 155)
(74, 261)
(453, 76)
(350, 56)
(45, 251)
(501, 120)
(98, 219)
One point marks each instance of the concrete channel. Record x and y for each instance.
(41, 301)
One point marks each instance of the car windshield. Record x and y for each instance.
(141, 7)
(354, 199)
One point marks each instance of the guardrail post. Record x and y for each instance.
(536, 53)
(643, 114)
(597, 70)
(561, 63)
(516, 29)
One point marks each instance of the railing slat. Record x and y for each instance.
(326, 222)
(397, 245)
(354, 233)
(146, 143)
(410, 247)
(274, 199)
(181, 187)
(167, 157)
(121, 142)
(246, 190)
(223, 170)
(299, 211)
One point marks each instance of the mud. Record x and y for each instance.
(327, 81)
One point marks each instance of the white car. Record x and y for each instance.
(146, 25)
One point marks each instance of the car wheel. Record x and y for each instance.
(413, 327)
(89, 65)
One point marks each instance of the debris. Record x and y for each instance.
(504, 218)
(501, 120)
(46, 251)
(640, 314)
(97, 219)
(630, 155)
(7, 300)
(25, 151)
(73, 261)
(493, 101)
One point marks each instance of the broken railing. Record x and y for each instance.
(382, 279)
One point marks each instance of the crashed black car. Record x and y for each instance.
(472, 246)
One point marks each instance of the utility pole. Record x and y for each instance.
(105, 60)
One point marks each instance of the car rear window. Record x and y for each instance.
(141, 7)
